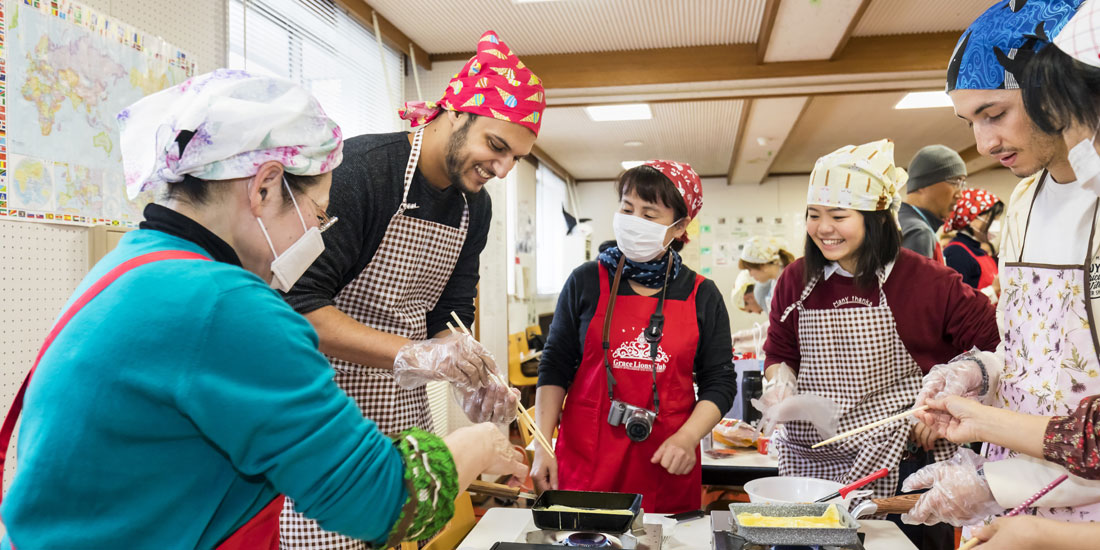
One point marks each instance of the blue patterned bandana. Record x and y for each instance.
(649, 274)
(1000, 42)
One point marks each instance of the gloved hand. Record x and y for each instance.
(820, 411)
(966, 375)
(781, 386)
(493, 403)
(455, 358)
(958, 496)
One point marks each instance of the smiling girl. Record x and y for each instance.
(859, 320)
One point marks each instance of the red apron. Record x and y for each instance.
(985, 262)
(595, 456)
(262, 531)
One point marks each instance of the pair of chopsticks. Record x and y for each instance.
(498, 490)
(870, 426)
(1023, 506)
(523, 418)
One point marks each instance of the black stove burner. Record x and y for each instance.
(587, 540)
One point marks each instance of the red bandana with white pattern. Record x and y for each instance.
(687, 182)
(972, 202)
(494, 83)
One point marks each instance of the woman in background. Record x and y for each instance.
(976, 222)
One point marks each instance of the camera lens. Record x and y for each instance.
(638, 426)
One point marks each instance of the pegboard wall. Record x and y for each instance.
(40, 265)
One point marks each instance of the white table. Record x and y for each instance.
(738, 469)
(510, 524)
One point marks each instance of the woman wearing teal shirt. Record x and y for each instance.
(186, 396)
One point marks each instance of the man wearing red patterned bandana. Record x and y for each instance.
(414, 218)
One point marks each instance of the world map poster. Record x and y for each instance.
(68, 71)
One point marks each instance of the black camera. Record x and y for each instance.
(638, 421)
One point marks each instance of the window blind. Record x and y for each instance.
(320, 45)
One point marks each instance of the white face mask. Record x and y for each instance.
(993, 232)
(1086, 165)
(640, 239)
(289, 266)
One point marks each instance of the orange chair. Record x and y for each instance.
(518, 354)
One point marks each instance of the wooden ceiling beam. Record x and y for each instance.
(741, 124)
(862, 55)
(851, 29)
(544, 157)
(767, 24)
(391, 35)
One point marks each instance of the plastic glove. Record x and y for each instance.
(958, 496)
(820, 411)
(966, 375)
(493, 403)
(781, 386)
(455, 358)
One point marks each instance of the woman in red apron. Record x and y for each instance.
(182, 421)
(859, 320)
(973, 218)
(630, 332)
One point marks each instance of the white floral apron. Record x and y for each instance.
(1051, 361)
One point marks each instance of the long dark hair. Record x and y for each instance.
(881, 243)
(1059, 91)
(652, 186)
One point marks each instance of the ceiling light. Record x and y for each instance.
(631, 111)
(924, 100)
(633, 143)
(628, 164)
(762, 141)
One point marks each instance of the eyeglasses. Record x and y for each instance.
(958, 183)
(323, 220)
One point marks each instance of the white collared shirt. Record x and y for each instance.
(834, 267)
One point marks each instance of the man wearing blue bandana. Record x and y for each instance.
(1050, 273)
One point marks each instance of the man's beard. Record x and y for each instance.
(454, 158)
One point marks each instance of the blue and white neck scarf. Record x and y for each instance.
(649, 274)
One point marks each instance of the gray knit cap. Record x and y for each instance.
(933, 164)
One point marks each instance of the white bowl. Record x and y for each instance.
(790, 489)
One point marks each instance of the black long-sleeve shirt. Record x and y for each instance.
(714, 373)
(366, 193)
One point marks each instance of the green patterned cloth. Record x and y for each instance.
(432, 483)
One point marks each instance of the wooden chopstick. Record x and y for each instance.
(530, 426)
(498, 490)
(870, 426)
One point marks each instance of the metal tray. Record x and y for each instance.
(795, 536)
(580, 521)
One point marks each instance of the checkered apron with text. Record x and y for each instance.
(393, 294)
(854, 357)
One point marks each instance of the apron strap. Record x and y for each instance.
(607, 327)
(805, 293)
(92, 291)
(410, 169)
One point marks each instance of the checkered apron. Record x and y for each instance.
(393, 294)
(854, 357)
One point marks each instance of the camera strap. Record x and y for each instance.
(653, 332)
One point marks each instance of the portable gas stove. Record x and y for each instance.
(641, 536)
(721, 523)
